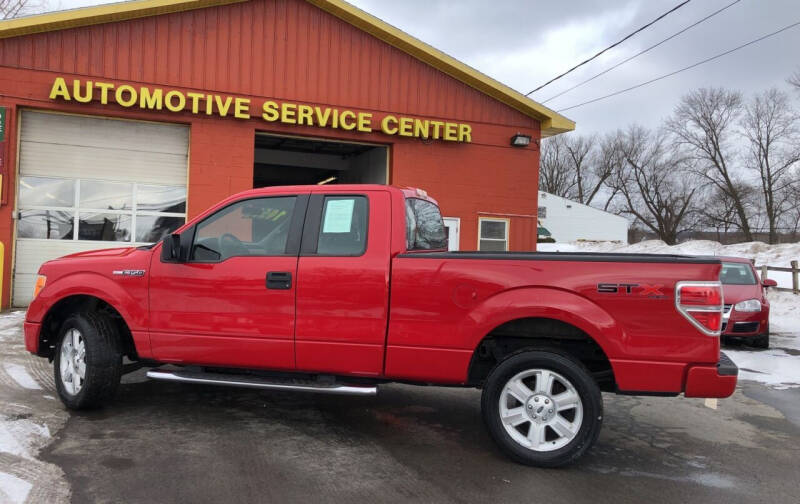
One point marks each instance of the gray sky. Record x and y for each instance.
(525, 43)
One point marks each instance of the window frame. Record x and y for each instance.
(506, 240)
(313, 224)
(76, 210)
(292, 240)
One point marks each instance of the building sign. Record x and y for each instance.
(173, 100)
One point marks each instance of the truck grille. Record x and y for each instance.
(726, 313)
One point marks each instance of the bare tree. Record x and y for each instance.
(652, 183)
(608, 162)
(14, 8)
(572, 167)
(793, 217)
(794, 80)
(705, 122)
(555, 175)
(716, 209)
(770, 126)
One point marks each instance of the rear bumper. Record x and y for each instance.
(712, 381)
(31, 330)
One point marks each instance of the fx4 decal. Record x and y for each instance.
(648, 290)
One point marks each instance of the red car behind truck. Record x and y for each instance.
(746, 315)
(340, 288)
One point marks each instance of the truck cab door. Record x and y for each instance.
(343, 283)
(232, 302)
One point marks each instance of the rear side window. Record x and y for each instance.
(343, 230)
(737, 274)
(424, 226)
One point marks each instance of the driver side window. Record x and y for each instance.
(253, 227)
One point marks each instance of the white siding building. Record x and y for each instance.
(570, 221)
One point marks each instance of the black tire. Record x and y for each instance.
(570, 369)
(762, 340)
(103, 360)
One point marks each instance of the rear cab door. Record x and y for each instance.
(343, 282)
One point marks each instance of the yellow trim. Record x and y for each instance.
(552, 123)
(106, 13)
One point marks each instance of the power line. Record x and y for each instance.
(712, 58)
(642, 52)
(615, 44)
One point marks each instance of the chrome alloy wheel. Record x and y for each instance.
(72, 362)
(541, 410)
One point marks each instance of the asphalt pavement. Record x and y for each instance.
(162, 442)
(167, 442)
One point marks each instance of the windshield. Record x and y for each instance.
(737, 274)
(424, 226)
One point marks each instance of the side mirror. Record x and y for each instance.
(768, 282)
(171, 250)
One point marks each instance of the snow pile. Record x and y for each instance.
(778, 367)
(22, 437)
(774, 367)
(11, 326)
(12, 489)
(771, 255)
(20, 375)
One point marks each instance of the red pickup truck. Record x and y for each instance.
(338, 289)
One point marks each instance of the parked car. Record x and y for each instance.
(746, 315)
(288, 288)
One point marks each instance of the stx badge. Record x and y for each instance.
(648, 290)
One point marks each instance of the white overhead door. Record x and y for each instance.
(87, 183)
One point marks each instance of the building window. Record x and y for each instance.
(98, 210)
(542, 212)
(492, 234)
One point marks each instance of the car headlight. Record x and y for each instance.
(37, 288)
(749, 305)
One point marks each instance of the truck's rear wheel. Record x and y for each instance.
(542, 408)
(88, 361)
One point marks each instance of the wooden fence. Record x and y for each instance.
(794, 270)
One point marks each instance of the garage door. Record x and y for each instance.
(87, 183)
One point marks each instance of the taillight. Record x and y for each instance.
(702, 305)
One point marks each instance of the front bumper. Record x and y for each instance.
(712, 381)
(745, 324)
(31, 330)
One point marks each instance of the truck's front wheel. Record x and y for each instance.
(542, 408)
(88, 360)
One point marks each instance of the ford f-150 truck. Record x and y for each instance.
(338, 289)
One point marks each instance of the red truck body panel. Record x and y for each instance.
(389, 313)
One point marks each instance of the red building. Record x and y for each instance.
(121, 121)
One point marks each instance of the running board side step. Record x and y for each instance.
(261, 383)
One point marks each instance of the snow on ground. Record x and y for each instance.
(12, 489)
(27, 419)
(20, 375)
(778, 367)
(22, 437)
